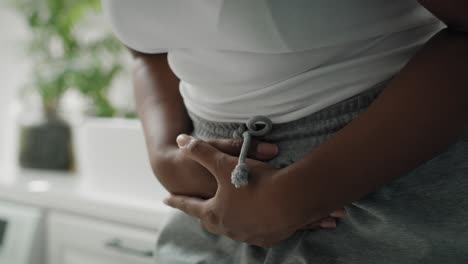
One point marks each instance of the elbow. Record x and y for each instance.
(161, 164)
(164, 170)
(160, 167)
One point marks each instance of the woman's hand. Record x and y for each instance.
(181, 175)
(257, 214)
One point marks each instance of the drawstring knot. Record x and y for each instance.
(257, 126)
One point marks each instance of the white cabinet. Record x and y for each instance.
(21, 236)
(81, 240)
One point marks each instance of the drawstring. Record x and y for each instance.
(256, 126)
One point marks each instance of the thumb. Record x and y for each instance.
(217, 162)
(258, 150)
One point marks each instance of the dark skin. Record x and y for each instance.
(382, 144)
(164, 117)
(420, 113)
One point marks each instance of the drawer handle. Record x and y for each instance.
(116, 244)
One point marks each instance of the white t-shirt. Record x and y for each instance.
(282, 59)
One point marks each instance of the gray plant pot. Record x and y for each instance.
(46, 145)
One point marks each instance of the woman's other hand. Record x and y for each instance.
(257, 214)
(182, 176)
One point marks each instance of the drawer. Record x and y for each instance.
(80, 240)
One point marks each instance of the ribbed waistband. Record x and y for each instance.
(326, 121)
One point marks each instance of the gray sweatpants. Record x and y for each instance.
(421, 217)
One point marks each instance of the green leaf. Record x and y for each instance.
(90, 68)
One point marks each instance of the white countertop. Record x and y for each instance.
(66, 193)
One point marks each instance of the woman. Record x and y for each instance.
(368, 105)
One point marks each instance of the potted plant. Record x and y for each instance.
(62, 60)
(75, 51)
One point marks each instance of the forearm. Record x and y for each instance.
(420, 113)
(159, 103)
(164, 117)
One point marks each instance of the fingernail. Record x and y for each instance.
(183, 140)
(166, 201)
(267, 149)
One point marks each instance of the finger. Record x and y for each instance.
(339, 213)
(311, 226)
(190, 205)
(328, 223)
(258, 150)
(217, 162)
(262, 150)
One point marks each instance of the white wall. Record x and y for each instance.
(13, 69)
